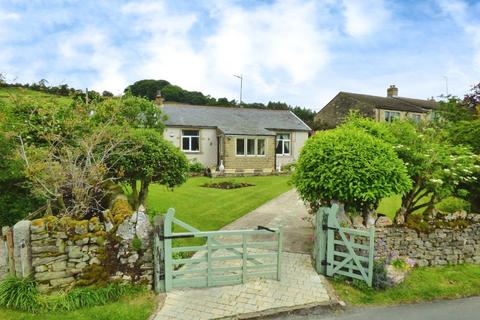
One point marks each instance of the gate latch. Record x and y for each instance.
(325, 263)
(325, 227)
(265, 228)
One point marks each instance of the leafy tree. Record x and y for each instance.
(472, 100)
(437, 169)
(147, 88)
(351, 166)
(154, 160)
(128, 110)
(106, 93)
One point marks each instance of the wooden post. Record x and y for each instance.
(331, 223)
(371, 253)
(158, 254)
(279, 254)
(167, 231)
(244, 258)
(320, 240)
(11, 260)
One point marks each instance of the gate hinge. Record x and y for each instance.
(325, 263)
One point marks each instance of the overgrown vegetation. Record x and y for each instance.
(22, 294)
(68, 158)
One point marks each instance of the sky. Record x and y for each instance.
(299, 52)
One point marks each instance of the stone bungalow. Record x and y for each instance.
(379, 108)
(245, 141)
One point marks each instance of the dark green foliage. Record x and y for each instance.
(196, 167)
(379, 279)
(20, 294)
(147, 88)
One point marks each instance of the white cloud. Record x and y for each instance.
(280, 38)
(364, 17)
(466, 17)
(90, 50)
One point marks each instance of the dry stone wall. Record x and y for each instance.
(439, 247)
(62, 253)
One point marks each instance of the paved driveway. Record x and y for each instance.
(299, 287)
(286, 211)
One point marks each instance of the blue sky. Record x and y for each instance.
(300, 52)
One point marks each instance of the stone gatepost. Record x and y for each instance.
(22, 249)
(3, 253)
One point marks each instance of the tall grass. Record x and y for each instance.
(22, 294)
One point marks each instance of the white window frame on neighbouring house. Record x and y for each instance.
(190, 136)
(391, 116)
(283, 139)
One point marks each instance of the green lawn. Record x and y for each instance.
(211, 209)
(423, 284)
(138, 307)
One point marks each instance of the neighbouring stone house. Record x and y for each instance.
(246, 141)
(379, 108)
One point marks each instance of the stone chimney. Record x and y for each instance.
(392, 91)
(159, 99)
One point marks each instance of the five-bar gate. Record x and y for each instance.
(226, 257)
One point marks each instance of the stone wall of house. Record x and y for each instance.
(62, 253)
(335, 111)
(242, 163)
(439, 247)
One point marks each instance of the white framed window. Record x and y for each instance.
(392, 115)
(240, 146)
(416, 117)
(261, 147)
(283, 144)
(191, 140)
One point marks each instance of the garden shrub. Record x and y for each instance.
(196, 167)
(379, 280)
(453, 204)
(351, 166)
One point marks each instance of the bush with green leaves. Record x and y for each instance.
(437, 169)
(453, 204)
(196, 167)
(351, 166)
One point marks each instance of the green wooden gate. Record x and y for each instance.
(344, 251)
(227, 257)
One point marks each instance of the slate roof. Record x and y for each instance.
(394, 103)
(235, 121)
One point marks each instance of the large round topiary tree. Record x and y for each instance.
(351, 166)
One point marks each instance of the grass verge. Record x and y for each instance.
(422, 284)
(134, 307)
